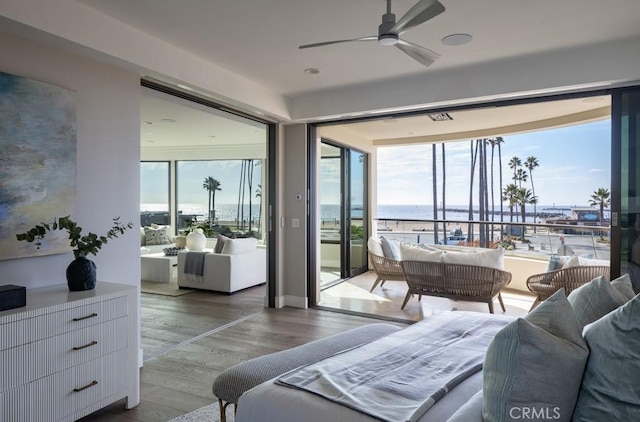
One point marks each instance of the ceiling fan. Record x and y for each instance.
(389, 31)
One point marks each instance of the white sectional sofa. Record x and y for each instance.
(155, 238)
(240, 264)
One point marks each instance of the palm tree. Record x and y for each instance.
(499, 141)
(444, 205)
(520, 176)
(435, 192)
(211, 185)
(514, 164)
(601, 198)
(530, 164)
(474, 158)
(259, 196)
(523, 196)
(509, 195)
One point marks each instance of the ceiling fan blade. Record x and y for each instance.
(420, 13)
(422, 55)
(320, 44)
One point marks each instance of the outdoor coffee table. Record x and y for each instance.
(158, 267)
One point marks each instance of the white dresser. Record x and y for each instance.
(67, 354)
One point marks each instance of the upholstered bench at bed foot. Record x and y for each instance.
(232, 382)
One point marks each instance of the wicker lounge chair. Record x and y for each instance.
(386, 269)
(455, 281)
(545, 284)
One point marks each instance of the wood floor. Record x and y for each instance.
(188, 340)
(178, 373)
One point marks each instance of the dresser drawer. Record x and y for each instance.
(23, 364)
(61, 395)
(49, 325)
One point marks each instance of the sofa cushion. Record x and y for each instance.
(411, 253)
(390, 248)
(236, 246)
(220, 243)
(609, 390)
(595, 299)
(374, 246)
(535, 364)
(492, 258)
(156, 236)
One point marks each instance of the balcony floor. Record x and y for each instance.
(353, 296)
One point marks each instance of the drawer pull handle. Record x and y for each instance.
(93, 343)
(93, 315)
(91, 384)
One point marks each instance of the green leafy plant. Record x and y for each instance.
(82, 245)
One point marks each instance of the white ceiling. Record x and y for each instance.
(168, 122)
(259, 39)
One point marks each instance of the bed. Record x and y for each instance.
(443, 352)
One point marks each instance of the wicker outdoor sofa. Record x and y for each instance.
(454, 281)
(545, 284)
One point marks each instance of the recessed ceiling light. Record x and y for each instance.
(311, 71)
(456, 39)
(212, 136)
(146, 122)
(150, 141)
(168, 120)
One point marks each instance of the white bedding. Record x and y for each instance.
(272, 402)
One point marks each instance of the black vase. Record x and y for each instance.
(81, 275)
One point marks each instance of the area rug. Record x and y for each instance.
(165, 289)
(205, 414)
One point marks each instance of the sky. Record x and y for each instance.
(154, 178)
(574, 162)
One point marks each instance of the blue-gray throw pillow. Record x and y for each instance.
(595, 299)
(534, 365)
(390, 248)
(609, 390)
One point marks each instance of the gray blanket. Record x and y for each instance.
(399, 377)
(194, 263)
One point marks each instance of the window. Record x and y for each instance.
(221, 196)
(154, 193)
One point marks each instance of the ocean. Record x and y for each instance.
(331, 212)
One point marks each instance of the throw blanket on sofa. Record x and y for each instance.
(399, 377)
(194, 265)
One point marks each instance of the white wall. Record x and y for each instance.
(108, 155)
(294, 251)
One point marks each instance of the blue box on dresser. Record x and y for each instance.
(12, 297)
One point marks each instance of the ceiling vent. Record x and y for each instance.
(440, 117)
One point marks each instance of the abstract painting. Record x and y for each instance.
(37, 163)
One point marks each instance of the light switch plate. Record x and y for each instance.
(295, 223)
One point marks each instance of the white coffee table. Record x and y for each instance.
(158, 267)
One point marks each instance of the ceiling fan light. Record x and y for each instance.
(388, 39)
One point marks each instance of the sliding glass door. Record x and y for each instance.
(625, 195)
(343, 228)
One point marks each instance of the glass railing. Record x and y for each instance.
(536, 241)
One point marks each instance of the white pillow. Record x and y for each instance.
(492, 258)
(592, 262)
(236, 246)
(374, 246)
(573, 262)
(410, 253)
